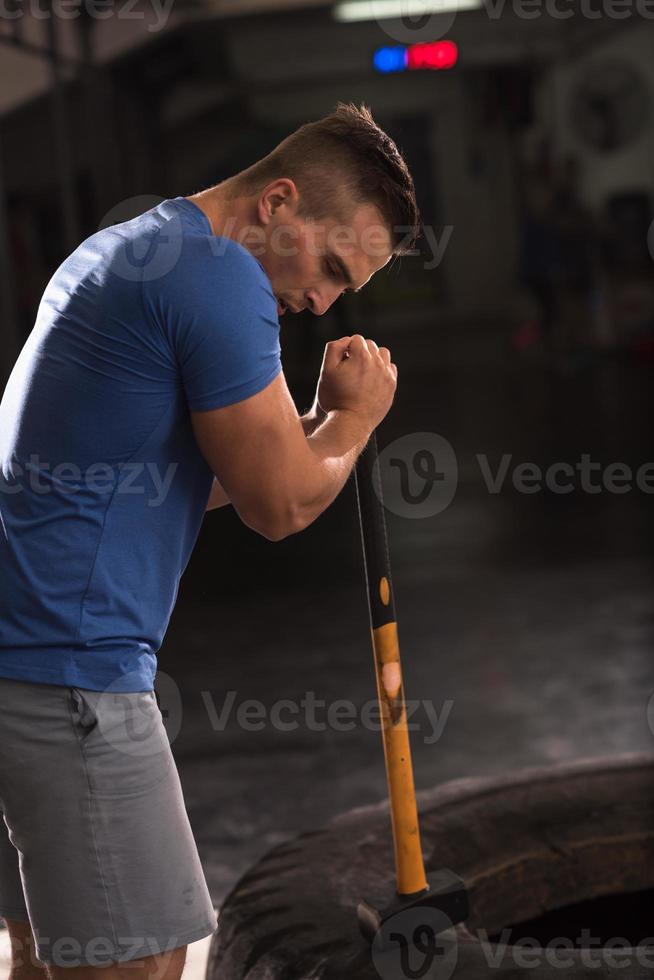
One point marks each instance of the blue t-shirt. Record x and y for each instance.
(102, 485)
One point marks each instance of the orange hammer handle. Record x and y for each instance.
(409, 862)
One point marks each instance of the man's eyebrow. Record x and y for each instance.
(344, 271)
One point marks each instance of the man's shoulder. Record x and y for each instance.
(169, 246)
(209, 269)
(193, 273)
(194, 255)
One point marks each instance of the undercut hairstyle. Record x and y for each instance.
(338, 163)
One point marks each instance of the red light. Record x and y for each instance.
(435, 55)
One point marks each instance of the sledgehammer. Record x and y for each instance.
(442, 890)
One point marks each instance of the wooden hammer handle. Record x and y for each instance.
(409, 862)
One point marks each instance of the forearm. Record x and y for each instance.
(335, 446)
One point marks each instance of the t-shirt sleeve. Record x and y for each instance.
(219, 317)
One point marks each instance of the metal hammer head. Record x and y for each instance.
(446, 893)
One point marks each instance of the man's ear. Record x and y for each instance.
(279, 193)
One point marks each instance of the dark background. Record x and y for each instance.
(530, 615)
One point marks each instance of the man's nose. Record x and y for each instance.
(319, 301)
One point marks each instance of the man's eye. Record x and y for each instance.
(336, 273)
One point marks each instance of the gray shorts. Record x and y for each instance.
(96, 849)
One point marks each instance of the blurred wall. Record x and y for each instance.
(202, 99)
(624, 169)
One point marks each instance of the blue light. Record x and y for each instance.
(387, 60)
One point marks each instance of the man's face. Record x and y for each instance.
(311, 263)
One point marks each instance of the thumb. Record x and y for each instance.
(334, 351)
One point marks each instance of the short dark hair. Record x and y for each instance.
(340, 160)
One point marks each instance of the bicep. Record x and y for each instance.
(256, 448)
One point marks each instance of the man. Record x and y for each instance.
(150, 390)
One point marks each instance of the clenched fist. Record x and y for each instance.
(357, 376)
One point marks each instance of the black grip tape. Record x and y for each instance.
(373, 534)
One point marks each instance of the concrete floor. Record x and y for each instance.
(526, 620)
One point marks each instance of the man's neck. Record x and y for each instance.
(228, 216)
